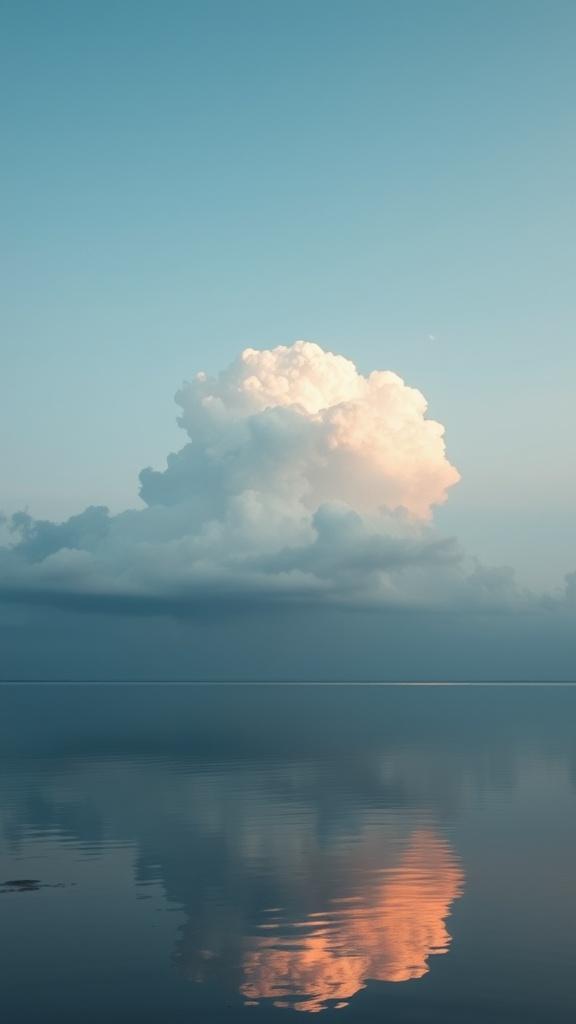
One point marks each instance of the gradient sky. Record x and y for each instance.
(394, 180)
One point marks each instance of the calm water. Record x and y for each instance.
(258, 854)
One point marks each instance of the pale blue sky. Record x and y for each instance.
(182, 179)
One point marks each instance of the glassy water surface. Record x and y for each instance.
(262, 853)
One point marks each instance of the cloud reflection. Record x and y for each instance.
(386, 933)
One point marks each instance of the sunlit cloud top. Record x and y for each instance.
(309, 417)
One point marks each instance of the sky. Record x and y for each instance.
(392, 181)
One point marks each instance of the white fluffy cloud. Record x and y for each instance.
(301, 425)
(302, 480)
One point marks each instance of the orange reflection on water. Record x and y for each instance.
(386, 934)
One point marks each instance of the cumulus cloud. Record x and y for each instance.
(301, 480)
(301, 426)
